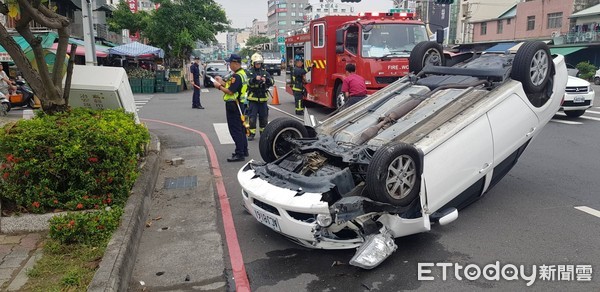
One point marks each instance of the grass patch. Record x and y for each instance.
(65, 267)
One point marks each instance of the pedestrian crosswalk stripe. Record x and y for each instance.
(593, 112)
(582, 117)
(223, 133)
(566, 122)
(282, 87)
(204, 90)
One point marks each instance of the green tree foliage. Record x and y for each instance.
(586, 70)
(123, 18)
(176, 26)
(257, 40)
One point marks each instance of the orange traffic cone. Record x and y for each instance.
(275, 99)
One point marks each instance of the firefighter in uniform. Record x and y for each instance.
(235, 91)
(298, 81)
(259, 81)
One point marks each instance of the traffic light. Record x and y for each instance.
(444, 2)
(351, 1)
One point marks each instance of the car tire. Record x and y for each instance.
(574, 114)
(532, 66)
(597, 80)
(425, 53)
(394, 174)
(274, 140)
(340, 99)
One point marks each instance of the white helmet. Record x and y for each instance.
(257, 58)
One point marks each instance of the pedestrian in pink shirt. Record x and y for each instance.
(353, 87)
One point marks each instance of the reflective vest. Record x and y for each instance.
(256, 92)
(297, 81)
(242, 94)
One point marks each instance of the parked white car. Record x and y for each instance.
(406, 157)
(597, 77)
(579, 96)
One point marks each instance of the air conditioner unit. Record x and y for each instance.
(457, 41)
(555, 33)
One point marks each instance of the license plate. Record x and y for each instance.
(267, 219)
(579, 99)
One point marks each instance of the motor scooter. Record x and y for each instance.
(24, 95)
(4, 105)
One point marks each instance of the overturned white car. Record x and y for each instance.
(406, 157)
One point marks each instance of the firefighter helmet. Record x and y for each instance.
(256, 58)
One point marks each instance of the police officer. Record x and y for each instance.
(235, 90)
(258, 85)
(195, 77)
(298, 81)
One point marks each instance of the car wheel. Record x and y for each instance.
(532, 66)
(425, 53)
(574, 114)
(597, 80)
(340, 99)
(394, 174)
(275, 139)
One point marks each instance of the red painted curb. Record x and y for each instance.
(235, 253)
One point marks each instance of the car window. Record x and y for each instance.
(216, 67)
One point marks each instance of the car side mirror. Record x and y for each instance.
(339, 36)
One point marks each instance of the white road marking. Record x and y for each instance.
(566, 122)
(593, 112)
(204, 90)
(582, 117)
(223, 133)
(283, 112)
(280, 81)
(589, 210)
(282, 87)
(141, 101)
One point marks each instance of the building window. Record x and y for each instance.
(293, 5)
(282, 22)
(319, 35)
(282, 14)
(500, 27)
(483, 28)
(293, 13)
(555, 20)
(301, 5)
(282, 5)
(508, 21)
(343, 9)
(530, 22)
(282, 31)
(300, 14)
(318, 9)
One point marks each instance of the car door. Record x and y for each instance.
(458, 164)
(513, 124)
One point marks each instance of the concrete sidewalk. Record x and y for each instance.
(18, 253)
(181, 247)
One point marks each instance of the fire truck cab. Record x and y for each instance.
(379, 44)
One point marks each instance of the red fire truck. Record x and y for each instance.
(379, 44)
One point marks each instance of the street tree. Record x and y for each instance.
(123, 18)
(175, 26)
(257, 40)
(45, 82)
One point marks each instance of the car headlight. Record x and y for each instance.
(375, 250)
(367, 82)
(590, 89)
(324, 220)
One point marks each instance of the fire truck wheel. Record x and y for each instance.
(275, 141)
(425, 53)
(340, 99)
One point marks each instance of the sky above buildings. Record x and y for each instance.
(242, 12)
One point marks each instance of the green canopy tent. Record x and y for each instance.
(47, 41)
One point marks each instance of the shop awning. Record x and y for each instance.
(47, 41)
(565, 51)
(80, 51)
(136, 49)
(501, 47)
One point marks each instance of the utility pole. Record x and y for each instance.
(88, 33)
